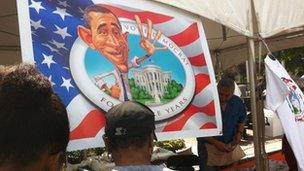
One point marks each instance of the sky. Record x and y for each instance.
(96, 64)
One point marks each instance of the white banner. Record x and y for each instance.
(285, 98)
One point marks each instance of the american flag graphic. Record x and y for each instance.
(54, 30)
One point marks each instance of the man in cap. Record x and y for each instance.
(129, 135)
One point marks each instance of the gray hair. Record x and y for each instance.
(227, 83)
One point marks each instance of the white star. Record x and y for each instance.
(51, 48)
(34, 33)
(50, 79)
(36, 24)
(48, 60)
(63, 3)
(63, 32)
(58, 44)
(62, 12)
(81, 10)
(36, 5)
(66, 83)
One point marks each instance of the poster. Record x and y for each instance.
(100, 53)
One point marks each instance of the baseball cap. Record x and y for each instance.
(129, 119)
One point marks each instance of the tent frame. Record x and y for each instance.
(256, 108)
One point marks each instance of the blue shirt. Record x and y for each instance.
(234, 114)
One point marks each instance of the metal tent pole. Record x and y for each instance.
(260, 113)
(252, 80)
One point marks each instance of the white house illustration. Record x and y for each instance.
(152, 79)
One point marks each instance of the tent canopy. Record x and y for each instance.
(273, 16)
(280, 22)
(9, 33)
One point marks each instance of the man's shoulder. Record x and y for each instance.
(236, 99)
(237, 103)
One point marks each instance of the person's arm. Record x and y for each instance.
(218, 144)
(238, 134)
(240, 125)
(99, 81)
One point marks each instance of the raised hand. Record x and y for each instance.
(115, 91)
(147, 42)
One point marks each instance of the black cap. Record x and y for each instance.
(129, 119)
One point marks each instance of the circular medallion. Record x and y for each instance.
(164, 81)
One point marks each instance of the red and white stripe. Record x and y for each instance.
(201, 112)
(85, 122)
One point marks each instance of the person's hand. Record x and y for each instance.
(236, 139)
(222, 147)
(115, 91)
(146, 42)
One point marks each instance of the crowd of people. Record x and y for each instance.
(34, 127)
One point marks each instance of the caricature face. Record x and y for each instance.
(108, 39)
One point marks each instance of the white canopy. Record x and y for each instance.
(232, 13)
(273, 16)
(9, 34)
(280, 21)
(279, 16)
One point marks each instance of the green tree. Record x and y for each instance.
(132, 82)
(137, 92)
(173, 89)
(294, 60)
